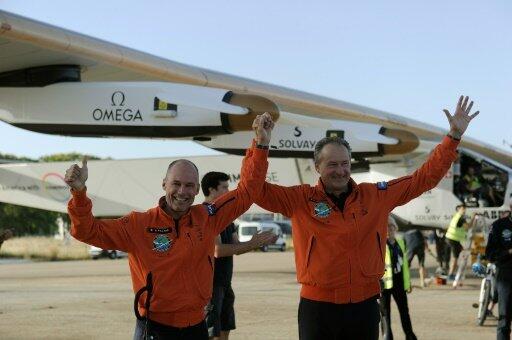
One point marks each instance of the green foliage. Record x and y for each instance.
(9, 157)
(28, 221)
(65, 157)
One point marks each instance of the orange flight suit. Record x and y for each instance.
(178, 253)
(339, 255)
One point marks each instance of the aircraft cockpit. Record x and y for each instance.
(479, 183)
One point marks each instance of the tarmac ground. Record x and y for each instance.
(94, 300)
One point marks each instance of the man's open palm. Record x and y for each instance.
(460, 120)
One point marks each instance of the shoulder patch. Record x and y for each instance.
(211, 209)
(382, 185)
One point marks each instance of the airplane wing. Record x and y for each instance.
(28, 43)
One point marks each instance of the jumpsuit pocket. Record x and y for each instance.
(203, 276)
(310, 246)
(326, 264)
(371, 257)
(201, 267)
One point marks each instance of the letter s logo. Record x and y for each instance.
(297, 132)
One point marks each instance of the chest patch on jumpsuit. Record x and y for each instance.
(322, 209)
(161, 243)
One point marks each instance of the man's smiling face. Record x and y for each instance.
(181, 185)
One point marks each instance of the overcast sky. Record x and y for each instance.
(407, 58)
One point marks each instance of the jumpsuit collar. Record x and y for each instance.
(184, 221)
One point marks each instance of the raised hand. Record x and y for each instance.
(77, 176)
(262, 126)
(460, 120)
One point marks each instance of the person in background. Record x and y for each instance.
(442, 251)
(499, 251)
(221, 316)
(456, 236)
(416, 246)
(5, 235)
(396, 282)
(477, 186)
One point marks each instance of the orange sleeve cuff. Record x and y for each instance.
(79, 197)
(258, 153)
(450, 143)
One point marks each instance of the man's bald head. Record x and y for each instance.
(185, 163)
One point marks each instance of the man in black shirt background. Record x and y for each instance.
(221, 318)
(499, 251)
